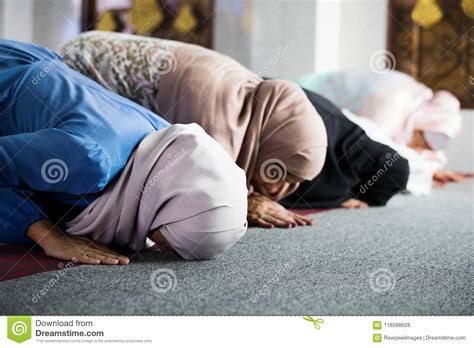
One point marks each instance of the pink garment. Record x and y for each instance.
(395, 101)
(393, 104)
(441, 114)
(402, 105)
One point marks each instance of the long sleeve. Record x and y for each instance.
(51, 160)
(48, 160)
(356, 166)
(63, 137)
(383, 180)
(18, 210)
(61, 132)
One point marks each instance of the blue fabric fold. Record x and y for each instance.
(63, 137)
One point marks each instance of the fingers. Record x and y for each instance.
(442, 177)
(438, 183)
(283, 216)
(447, 175)
(302, 220)
(457, 177)
(85, 259)
(109, 258)
(266, 220)
(95, 258)
(271, 219)
(261, 222)
(96, 253)
(123, 260)
(256, 221)
(267, 213)
(288, 219)
(103, 250)
(280, 220)
(354, 204)
(104, 259)
(347, 204)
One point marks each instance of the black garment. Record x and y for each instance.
(355, 167)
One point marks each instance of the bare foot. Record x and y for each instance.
(353, 203)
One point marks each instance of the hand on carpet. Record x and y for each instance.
(353, 203)
(443, 176)
(56, 243)
(264, 212)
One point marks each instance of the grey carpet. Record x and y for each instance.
(425, 244)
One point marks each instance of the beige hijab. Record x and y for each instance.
(257, 122)
(180, 181)
(261, 124)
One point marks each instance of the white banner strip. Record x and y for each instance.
(241, 332)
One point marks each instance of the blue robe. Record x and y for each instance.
(63, 138)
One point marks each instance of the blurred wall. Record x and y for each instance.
(284, 38)
(461, 152)
(1, 18)
(17, 19)
(279, 38)
(49, 23)
(273, 38)
(56, 21)
(287, 38)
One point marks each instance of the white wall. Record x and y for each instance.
(328, 34)
(274, 38)
(17, 18)
(56, 21)
(233, 22)
(1, 18)
(363, 31)
(461, 152)
(288, 38)
(49, 23)
(280, 38)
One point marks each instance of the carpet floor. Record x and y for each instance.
(20, 260)
(413, 257)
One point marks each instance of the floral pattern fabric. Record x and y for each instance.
(127, 64)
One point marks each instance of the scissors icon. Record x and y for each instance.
(315, 322)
